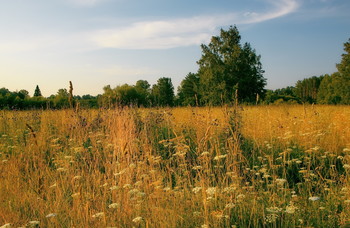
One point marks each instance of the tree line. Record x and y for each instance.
(324, 89)
(228, 71)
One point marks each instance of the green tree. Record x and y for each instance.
(37, 92)
(126, 95)
(226, 66)
(344, 73)
(335, 89)
(188, 91)
(307, 89)
(61, 100)
(108, 98)
(143, 88)
(163, 92)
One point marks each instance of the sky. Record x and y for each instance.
(95, 43)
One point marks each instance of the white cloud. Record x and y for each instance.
(183, 32)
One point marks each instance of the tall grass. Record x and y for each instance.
(262, 166)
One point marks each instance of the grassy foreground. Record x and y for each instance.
(265, 166)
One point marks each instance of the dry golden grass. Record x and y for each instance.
(253, 166)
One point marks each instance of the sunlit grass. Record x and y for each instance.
(253, 166)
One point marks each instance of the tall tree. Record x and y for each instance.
(307, 89)
(335, 89)
(226, 66)
(37, 92)
(163, 92)
(143, 88)
(188, 91)
(344, 72)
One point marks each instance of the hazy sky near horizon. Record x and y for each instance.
(94, 43)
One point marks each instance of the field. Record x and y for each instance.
(250, 166)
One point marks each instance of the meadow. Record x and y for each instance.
(242, 166)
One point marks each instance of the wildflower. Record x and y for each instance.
(211, 191)
(76, 177)
(229, 190)
(127, 186)
(75, 195)
(51, 215)
(61, 169)
(132, 166)
(314, 198)
(113, 205)
(34, 223)
(281, 182)
(196, 190)
(197, 167)
(114, 188)
(166, 189)
(104, 185)
(219, 157)
(133, 191)
(196, 213)
(230, 206)
(137, 219)
(240, 196)
(290, 209)
(141, 194)
(274, 209)
(138, 183)
(205, 153)
(120, 173)
(346, 166)
(98, 215)
(271, 218)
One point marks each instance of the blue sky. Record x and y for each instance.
(95, 43)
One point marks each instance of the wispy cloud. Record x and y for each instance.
(167, 34)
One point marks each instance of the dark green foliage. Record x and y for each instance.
(335, 89)
(226, 66)
(37, 92)
(163, 92)
(188, 91)
(307, 89)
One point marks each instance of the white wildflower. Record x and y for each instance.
(114, 188)
(274, 209)
(74, 195)
(195, 190)
(346, 166)
(51, 215)
(314, 198)
(219, 157)
(230, 206)
(34, 223)
(113, 205)
(137, 219)
(98, 215)
(281, 182)
(211, 191)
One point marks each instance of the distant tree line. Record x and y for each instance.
(228, 70)
(324, 89)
